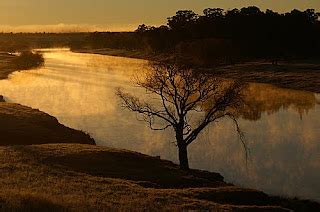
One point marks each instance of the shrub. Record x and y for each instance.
(28, 60)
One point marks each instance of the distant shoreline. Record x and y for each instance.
(116, 53)
(298, 75)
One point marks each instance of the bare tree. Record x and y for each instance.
(187, 102)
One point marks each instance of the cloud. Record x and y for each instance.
(63, 28)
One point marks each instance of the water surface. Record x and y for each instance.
(282, 126)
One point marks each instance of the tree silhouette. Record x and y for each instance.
(187, 103)
(182, 20)
(213, 13)
(182, 24)
(251, 34)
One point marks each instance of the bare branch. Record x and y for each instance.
(134, 104)
(241, 137)
(181, 92)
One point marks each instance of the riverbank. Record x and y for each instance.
(299, 75)
(21, 125)
(26, 60)
(59, 175)
(86, 177)
(6, 67)
(116, 53)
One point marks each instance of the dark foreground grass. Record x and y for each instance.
(89, 178)
(21, 125)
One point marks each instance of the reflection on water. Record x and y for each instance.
(262, 98)
(281, 126)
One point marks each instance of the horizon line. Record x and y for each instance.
(67, 28)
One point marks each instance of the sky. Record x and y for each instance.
(119, 15)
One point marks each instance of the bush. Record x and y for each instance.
(28, 60)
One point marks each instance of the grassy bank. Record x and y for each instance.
(85, 177)
(6, 67)
(20, 125)
(300, 74)
(26, 60)
(24, 126)
(117, 53)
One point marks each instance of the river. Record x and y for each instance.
(282, 130)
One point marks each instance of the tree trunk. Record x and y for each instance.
(183, 157)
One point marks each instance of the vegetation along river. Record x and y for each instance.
(282, 127)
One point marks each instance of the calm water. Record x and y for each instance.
(282, 128)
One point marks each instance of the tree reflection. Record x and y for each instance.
(262, 98)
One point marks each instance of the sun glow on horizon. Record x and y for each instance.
(109, 15)
(67, 28)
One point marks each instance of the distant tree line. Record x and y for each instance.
(18, 42)
(219, 36)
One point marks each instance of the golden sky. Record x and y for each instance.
(91, 15)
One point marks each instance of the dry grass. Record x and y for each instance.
(116, 52)
(48, 177)
(300, 75)
(20, 125)
(6, 67)
(10, 63)
(61, 177)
